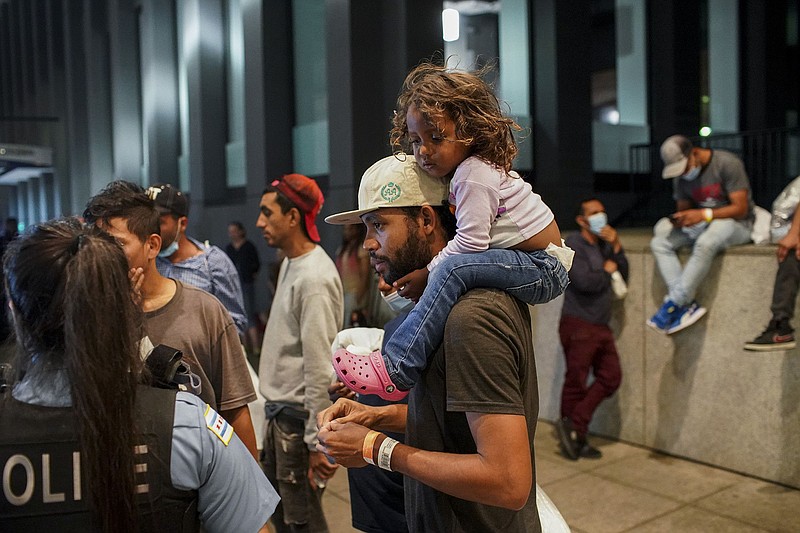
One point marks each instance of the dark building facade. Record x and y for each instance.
(221, 96)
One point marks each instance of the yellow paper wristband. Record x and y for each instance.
(708, 214)
(366, 447)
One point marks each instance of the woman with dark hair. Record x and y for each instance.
(352, 262)
(85, 446)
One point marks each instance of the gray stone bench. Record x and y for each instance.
(696, 394)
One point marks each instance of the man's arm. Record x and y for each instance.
(737, 209)
(390, 417)
(320, 312)
(232, 487)
(792, 238)
(499, 474)
(232, 383)
(239, 418)
(582, 276)
(319, 322)
(610, 235)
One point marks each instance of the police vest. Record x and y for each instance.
(42, 477)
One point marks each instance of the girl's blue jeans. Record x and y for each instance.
(533, 277)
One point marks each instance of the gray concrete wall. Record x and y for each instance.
(696, 394)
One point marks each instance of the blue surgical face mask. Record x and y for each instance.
(692, 174)
(397, 303)
(172, 248)
(597, 222)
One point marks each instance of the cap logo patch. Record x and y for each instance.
(390, 192)
(153, 192)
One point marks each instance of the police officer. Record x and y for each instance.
(84, 446)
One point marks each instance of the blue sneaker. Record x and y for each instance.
(685, 317)
(664, 317)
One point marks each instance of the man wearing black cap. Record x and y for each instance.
(714, 211)
(295, 368)
(205, 266)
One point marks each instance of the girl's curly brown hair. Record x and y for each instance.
(468, 101)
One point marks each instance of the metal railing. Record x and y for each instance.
(771, 158)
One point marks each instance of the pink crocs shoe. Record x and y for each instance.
(366, 374)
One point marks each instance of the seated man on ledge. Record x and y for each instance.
(779, 334)
(714, 210)
(470, 420)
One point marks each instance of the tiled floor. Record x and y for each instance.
(634, 489)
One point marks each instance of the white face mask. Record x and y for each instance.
(397, 303)
(692, 174)
(172, 248)
(597, 222)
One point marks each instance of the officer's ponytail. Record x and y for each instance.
(72, 308)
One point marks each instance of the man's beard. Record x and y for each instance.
(413, 255)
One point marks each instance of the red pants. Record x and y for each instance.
(587, 347)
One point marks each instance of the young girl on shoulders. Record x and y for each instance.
(506, 236)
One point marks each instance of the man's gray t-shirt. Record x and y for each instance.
(723, 175)
(485, 365)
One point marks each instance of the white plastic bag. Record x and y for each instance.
(783, 210)
(761, 226)
(618, 285)
(549, 515)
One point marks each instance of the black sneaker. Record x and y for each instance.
(567, 438)
(587, 451)
(779, 335)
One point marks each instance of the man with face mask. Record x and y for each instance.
(598, 271)
(190, 261)
(714, 210)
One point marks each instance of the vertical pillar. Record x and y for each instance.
(77, 115)
(6, 92)
(204, 60)
(56, 102)
(723, 65)
(766, 76)
(562, 103)
(22, 204)
(631, 62)
(98, 96)
(674, 77)
(34, 211)
(370, 48)
(49, 194)
(268, 91)
(514, 32)
(160, 111)
(126, 122)
(88, 99)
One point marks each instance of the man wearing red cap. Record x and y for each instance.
(295, 368)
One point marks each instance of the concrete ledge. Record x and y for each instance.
(696, 394)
